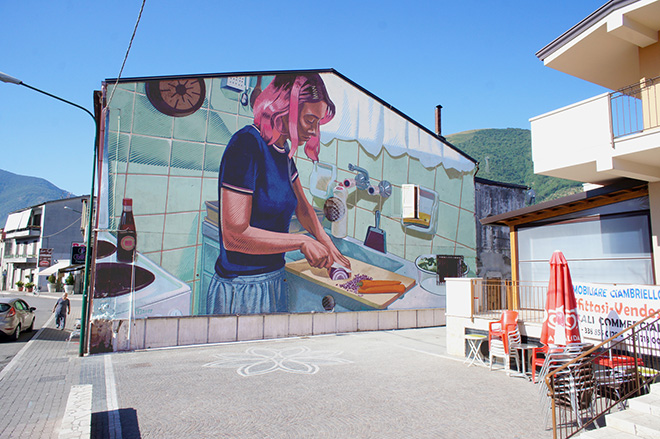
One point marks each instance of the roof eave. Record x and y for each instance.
(623, 190)
(582, 26)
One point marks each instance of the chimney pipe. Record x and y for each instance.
(438, 119)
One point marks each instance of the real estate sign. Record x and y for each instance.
(606, 309)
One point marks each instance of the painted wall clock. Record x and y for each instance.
(176, 97)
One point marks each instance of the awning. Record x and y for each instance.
(625, 189)
(18, 220)
(70, 268)
(13, 220)
(53, 268)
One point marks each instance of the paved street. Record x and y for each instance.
(371, 384)
(44, 304)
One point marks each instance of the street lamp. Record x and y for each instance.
(83, 328)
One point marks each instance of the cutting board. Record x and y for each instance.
(320, 277)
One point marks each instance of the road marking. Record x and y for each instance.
(77, 420)
(114, 421)
(14, 361)
(262, 360)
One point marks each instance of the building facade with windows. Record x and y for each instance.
(39, 237)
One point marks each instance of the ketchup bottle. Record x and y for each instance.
(126, 235)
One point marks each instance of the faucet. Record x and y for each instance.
(362, 182)
(362, 177)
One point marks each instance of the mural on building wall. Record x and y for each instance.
(273, 193)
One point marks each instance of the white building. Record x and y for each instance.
(609, 234)
(615, 134)
(40, 237)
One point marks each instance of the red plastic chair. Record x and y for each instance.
(500, 329)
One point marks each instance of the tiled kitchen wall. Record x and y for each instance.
(455, 232)
(169, 166)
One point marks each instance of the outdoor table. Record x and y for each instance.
(523, 349)
(474, 342)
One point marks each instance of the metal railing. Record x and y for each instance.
(635, 108)
(20, 255)
(492, 296)
(591, 384)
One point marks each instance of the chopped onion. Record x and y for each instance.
(352, 285)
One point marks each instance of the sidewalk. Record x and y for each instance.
(36, 383)
(385, 384)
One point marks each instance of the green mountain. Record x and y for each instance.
(505, 155)
(20, 191)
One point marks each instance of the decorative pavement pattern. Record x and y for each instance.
(260, 361)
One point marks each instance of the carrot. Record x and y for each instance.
(377, 283)
(400, 288)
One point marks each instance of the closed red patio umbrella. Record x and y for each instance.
(560, 325)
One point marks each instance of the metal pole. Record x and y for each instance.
(554, 407)
(637, 386)
(88, 253)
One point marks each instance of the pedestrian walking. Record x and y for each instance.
(61, 309)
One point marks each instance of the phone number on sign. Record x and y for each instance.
(644, 338)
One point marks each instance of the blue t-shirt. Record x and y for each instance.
(251, 166)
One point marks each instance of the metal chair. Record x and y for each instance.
(573, 388)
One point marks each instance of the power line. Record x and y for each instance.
(127, 51)
(57, 233)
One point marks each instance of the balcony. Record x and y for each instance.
(603, 138)
(28, 232)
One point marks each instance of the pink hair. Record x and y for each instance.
(283, 97)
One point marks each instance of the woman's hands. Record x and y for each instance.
(322, 255)
(338, 257)
(316, 253)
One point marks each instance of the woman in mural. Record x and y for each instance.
(259, 191)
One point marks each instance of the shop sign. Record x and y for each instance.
(45, 257)
(77, 253)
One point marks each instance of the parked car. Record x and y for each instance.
(16, 316)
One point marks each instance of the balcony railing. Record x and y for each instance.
(12, 256)
(492, 296)
(579, 385)
(635, 108)
(591, 384)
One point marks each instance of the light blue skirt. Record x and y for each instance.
(255, 294)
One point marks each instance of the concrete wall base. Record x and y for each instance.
(159, 332)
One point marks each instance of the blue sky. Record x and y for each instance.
(475, 58)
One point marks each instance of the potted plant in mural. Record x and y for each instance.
(20, 284)
(29, 286)
(52, 286)
(69, 281)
